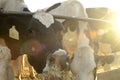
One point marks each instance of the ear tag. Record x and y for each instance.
(13, 33)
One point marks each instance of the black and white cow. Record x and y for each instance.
(35, 38)
(42, 41)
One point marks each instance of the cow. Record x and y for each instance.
(32, 34)
(35, 39)
(75, 40)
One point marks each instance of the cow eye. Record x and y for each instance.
(31, 31)
(52, 60)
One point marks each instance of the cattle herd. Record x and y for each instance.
(57, 49)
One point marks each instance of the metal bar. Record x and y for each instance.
(82, 19)
(56, 16)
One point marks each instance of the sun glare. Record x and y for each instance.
(40, 4)
(34, 5)
(116, 28)
(118, 22)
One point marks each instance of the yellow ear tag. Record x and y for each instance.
(13, 33)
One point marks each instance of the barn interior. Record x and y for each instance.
(102, 34)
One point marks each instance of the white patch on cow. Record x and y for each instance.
(4, 54)
(60, 52)
(71, 8)
(2, 3)
(6, 72)
(82, 39)
(46, 66)
(45, 18)
(12, 5)
(83, 63)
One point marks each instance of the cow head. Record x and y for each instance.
(42, 39)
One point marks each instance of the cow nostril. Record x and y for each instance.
(26, 9)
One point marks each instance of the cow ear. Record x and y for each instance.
(31, 33)
(57, 26)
